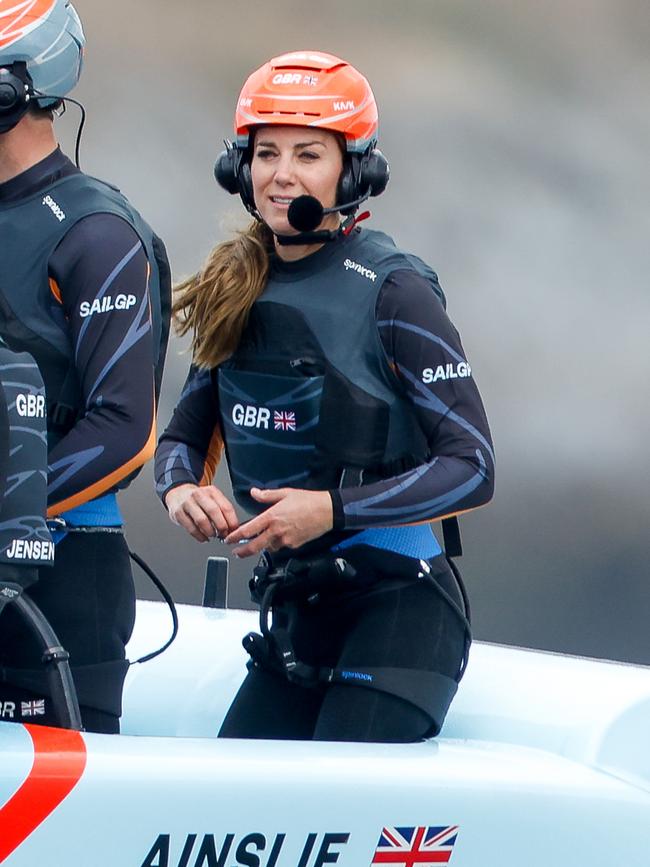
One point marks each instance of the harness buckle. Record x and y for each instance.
(285, 651)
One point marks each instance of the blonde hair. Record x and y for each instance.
(215, 303)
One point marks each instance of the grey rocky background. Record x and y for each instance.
(518, 135)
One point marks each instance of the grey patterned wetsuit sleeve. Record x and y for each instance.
(425, 350)
(25, 541)
(4, 443)
(190, 448)
(99, 274)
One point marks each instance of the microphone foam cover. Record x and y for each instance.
(305, 213)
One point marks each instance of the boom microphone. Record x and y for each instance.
(306, 212)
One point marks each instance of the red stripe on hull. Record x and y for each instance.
(59, 762)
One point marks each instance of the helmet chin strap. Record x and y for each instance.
(322, 236)
(301, 239)
(306, 212)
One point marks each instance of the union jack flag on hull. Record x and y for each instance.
(284, 420)
(416, 847)
(33, 708)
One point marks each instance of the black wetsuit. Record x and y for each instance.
(407, 626)
(89, 595)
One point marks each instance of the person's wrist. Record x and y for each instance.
(328, 510)
(173, 488)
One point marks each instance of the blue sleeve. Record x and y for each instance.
(425, 351)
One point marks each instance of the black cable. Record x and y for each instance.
(82, 121)
(168, 599)
(461, 586)
(80, 129)
(468, 614)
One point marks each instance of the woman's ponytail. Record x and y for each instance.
(215, 303)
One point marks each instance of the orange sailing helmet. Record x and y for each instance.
(308, 88)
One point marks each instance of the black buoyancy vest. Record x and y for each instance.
(30, 231)
(309, 399)
(24, 537)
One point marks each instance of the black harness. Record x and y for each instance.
(281, 584)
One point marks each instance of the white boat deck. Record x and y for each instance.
(591, 712)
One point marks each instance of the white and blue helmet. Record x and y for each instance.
(48, 37)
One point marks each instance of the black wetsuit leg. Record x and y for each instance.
(89, 598)
(411, 628)
(269, 706)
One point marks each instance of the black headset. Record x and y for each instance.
(15, 94)
(232, 171)
(362, 173)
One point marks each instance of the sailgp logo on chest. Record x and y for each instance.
(49, 202)
(349, 265)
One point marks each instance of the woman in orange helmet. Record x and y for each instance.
(324, 362)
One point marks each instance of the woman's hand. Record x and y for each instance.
(202, 510)
(293, 517)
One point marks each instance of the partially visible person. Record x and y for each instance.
(84, 287)
(25, 541)
(325, 362)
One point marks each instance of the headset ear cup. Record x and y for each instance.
(347, 188)
(374, 172)
(14, 95)
(232, 171)
(361, 173)
(245, 181)
(225, 170)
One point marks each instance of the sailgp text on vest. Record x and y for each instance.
(56, 209)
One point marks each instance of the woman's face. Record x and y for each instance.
(292, 161)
